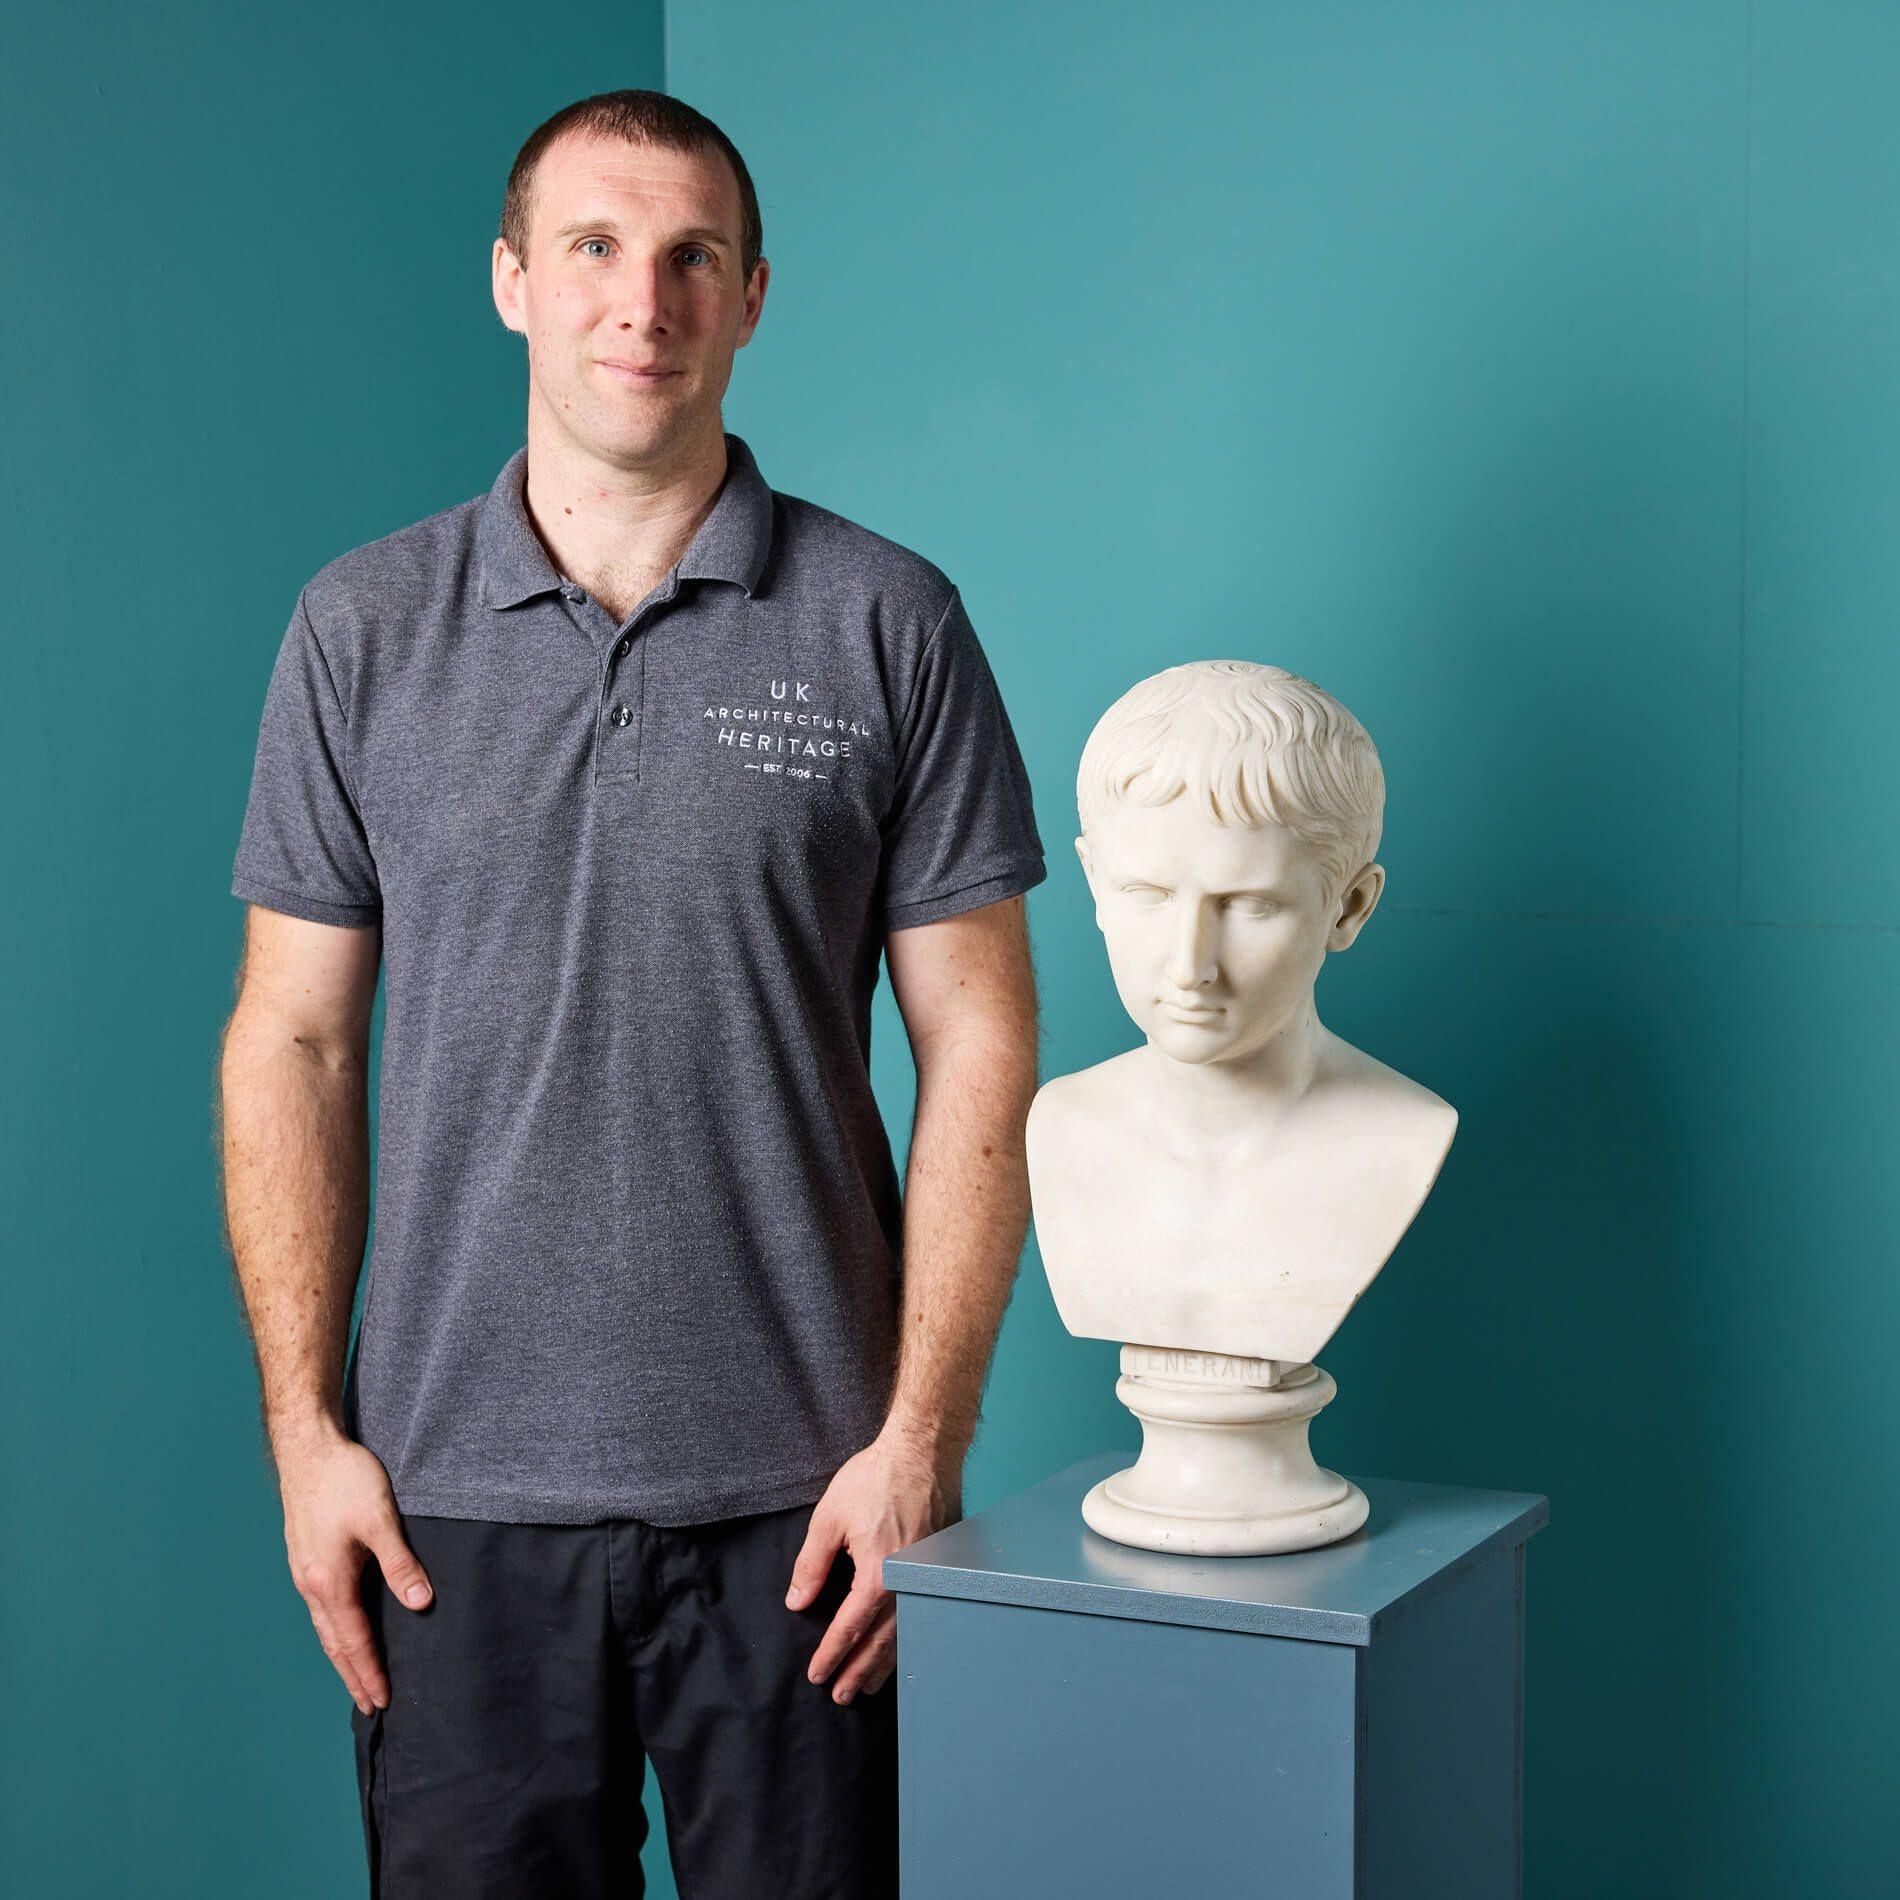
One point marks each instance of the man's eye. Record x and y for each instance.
(587, 241)
(697, 251)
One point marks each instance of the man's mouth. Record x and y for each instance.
(636, 373)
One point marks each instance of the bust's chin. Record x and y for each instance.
(1201, 1045)
(1194, 1047)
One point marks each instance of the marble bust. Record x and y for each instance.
(1218, 1197)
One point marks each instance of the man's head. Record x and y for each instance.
(1230, 815)
(629, 257)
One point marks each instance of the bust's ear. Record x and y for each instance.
(1088, 871)
(1357, 902)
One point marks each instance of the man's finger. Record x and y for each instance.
(855, 1616)
(823, 1541)
(339, 1656)
(871, 1661)
(408, 1581)
(355, 1643)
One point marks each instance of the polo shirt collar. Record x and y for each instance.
(735, 538)
(731, 545)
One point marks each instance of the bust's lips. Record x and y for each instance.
(1192, 1012)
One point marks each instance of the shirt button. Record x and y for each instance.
(624, 648)
(621, 715)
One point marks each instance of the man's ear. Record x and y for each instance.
(1357, 902)
(505, 277)
(754, 307)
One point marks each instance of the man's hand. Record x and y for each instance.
(887, 1496)
(337, 1507)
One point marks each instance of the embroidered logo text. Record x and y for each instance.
(789, 736)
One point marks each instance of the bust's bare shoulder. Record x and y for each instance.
(1082, 1089)
(1084, 1103)
(1349, 1073)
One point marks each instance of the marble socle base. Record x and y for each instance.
(1225, 1469)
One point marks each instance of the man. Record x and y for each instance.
(628, 771)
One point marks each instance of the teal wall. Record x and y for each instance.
(1527, 374)
(249, 327)
(1523, 373)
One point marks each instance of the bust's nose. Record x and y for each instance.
(1191, 960)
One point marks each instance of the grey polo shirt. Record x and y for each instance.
(637, 1221)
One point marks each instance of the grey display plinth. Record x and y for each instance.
(1079, 1717)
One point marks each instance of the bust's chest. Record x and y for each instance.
(1303, 1204)
(1251, 1252)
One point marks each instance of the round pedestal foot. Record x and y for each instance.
(1225, 1469)
(1261, 1534)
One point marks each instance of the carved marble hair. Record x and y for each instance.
(1253, 745)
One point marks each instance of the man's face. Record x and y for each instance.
(1215, 932)
(632, 301)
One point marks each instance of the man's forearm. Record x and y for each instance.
(966, 1210)
(295, 1141)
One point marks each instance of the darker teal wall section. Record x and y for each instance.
(249, 326)
(1527, 375)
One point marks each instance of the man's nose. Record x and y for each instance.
(1191, 955)
(642, 295)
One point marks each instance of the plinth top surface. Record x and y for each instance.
(1034, 1550)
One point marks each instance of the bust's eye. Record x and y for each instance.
(1144, 893)
(1252, 906)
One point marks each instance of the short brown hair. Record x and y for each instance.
(642, 118)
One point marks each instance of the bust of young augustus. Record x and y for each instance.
(1233, 1183)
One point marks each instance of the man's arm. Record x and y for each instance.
(967, 994)
(294, 1135)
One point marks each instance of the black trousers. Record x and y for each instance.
(556, 1660)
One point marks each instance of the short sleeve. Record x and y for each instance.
(961, 830)
(303, 848)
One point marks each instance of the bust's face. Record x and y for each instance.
(1215, 933)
